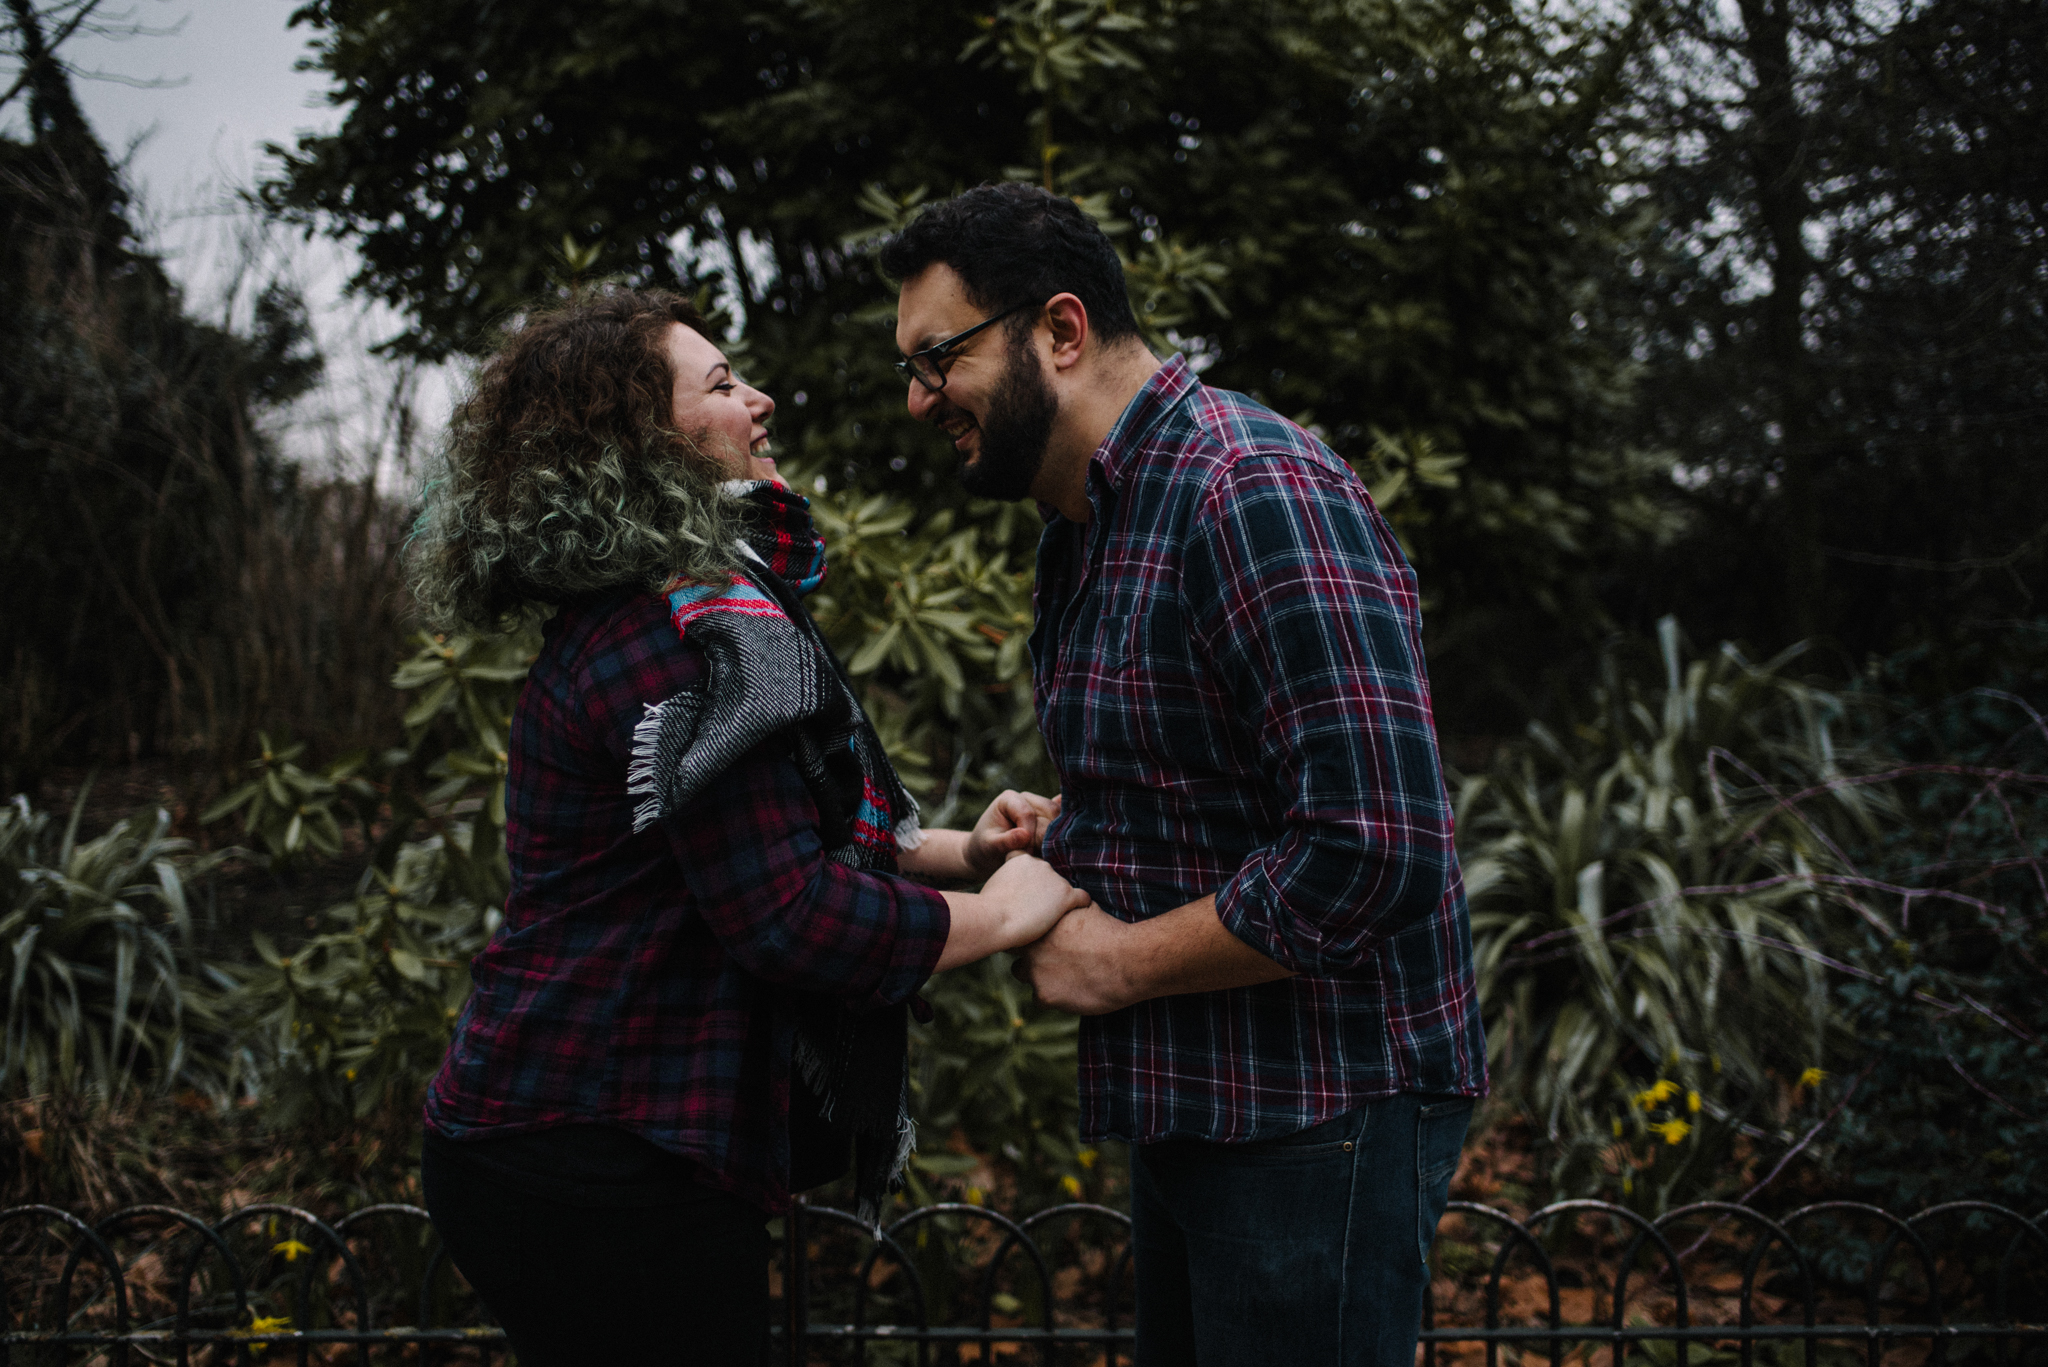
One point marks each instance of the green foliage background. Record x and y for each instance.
(1395, 221)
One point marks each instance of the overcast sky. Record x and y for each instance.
(191, 109)
(229, 87)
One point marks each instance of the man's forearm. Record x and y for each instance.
(1189, 949)
(1093, 963)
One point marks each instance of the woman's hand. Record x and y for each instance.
(1032, 898)
(1014, 823)
(1021, 901)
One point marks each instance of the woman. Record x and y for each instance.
(696, 1003)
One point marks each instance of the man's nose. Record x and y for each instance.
(920, 400)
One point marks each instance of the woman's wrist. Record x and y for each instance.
(942, 856)
(980, 925)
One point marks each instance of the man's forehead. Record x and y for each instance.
(932, 307)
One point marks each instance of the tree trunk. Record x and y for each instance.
(1778, 145)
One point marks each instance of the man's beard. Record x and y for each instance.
(1016, 430)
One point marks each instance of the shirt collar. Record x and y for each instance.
(1161, 393)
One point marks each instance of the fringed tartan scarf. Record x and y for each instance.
(772, 675)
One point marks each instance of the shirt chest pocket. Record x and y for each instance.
(1121, 646)
(1143, 678)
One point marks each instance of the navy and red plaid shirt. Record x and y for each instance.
(1229, 674)
(637, 980)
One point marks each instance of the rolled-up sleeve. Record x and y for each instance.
(752, 858)
(1304, 606)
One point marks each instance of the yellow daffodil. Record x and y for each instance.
(1672, 1130)
(975, 1196)
(1811, 1077)
(264, 1324)
(1692, 1102)
(1617, 1127)
(1071, 1185)
(1653, 1096)
(291, 1248)
(1086, 1157)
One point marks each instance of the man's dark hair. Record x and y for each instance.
(1016, 244)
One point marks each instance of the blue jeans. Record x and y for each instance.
(1306, 1249)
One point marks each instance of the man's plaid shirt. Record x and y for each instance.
(637, 978)
(1229, 674)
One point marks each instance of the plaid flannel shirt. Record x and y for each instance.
(637, 978)
(1229, 675)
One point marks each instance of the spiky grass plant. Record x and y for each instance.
(103, 995)
(1653, 918)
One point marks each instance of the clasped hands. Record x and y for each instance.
(1066, 946)
(1075, 955)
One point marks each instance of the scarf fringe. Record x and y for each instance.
(869, 1210)
(906, 1144)
(642, 772)
(817, 1074)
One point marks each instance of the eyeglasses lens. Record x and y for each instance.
(924, 370)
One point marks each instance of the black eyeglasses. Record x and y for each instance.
(923, 366)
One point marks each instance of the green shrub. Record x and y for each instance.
(998, 1069)
(932, 615)
(1951, 995)
(103, 993)
(289, 810)
(1653, 919)
(355, 1020)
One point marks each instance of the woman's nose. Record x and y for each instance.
(759, 404)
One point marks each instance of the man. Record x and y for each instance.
(1281, 1015)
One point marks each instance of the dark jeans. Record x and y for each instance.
(591, 1245)
(1306, 1249)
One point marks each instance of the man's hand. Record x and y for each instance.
(1092, 964)
(1019, 903)
(1014, 823)
(1077, 966)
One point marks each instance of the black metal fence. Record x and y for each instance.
(1708, 1284)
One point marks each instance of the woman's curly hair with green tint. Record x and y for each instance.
(564, 473)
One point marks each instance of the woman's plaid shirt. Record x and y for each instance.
(1229, 674)
(637, 978)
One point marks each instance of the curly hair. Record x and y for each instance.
(564, 474)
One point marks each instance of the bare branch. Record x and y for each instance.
(1969, 565)
(80, 20)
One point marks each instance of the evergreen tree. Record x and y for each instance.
(1848, 318)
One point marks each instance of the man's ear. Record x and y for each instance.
(1066, 318)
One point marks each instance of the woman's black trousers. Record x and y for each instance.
(591, 1245)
